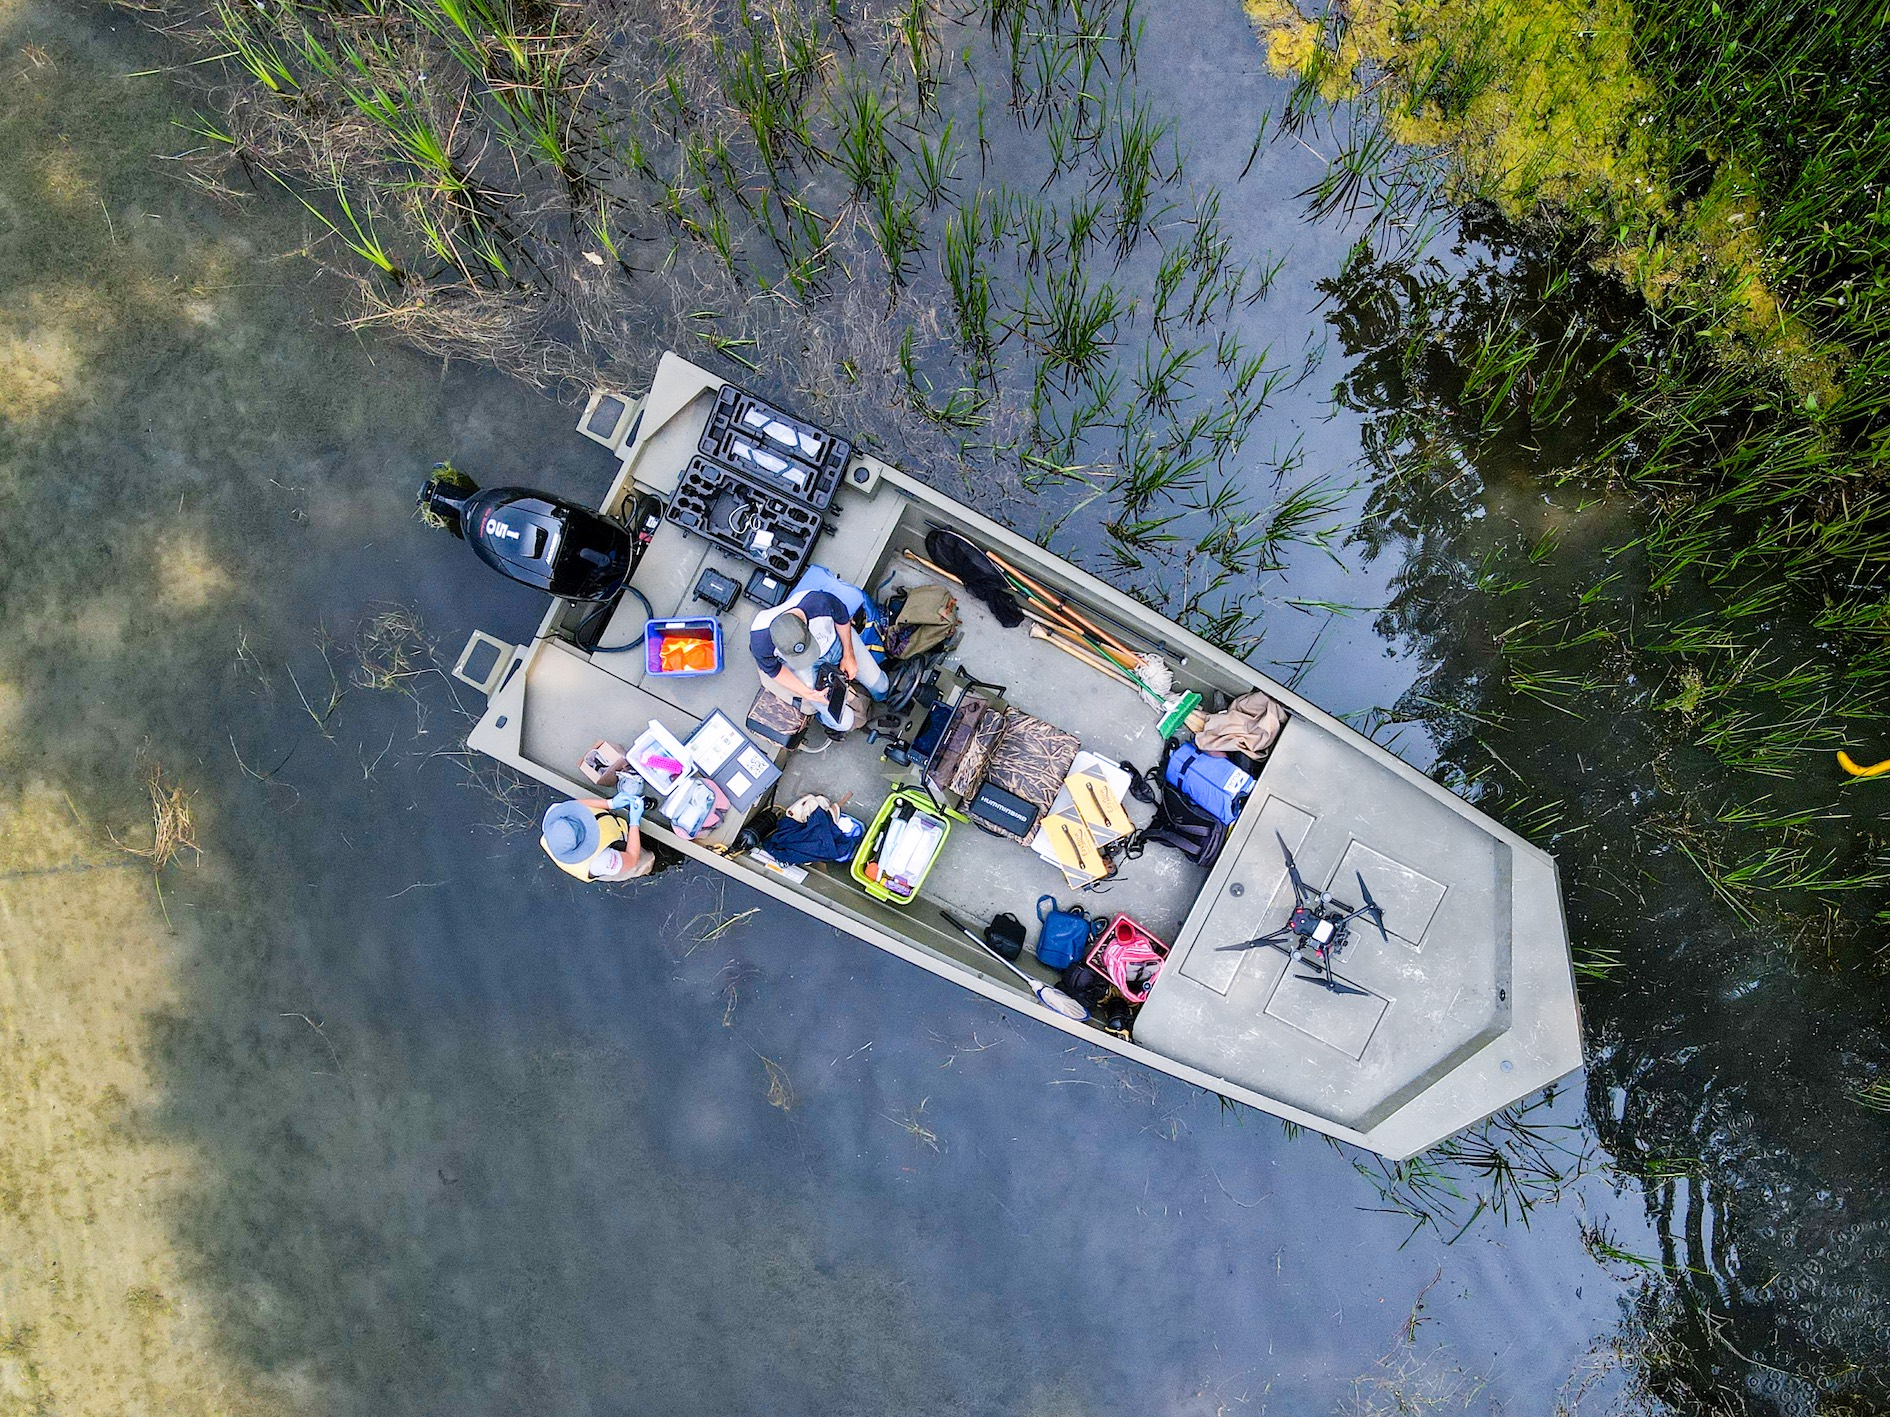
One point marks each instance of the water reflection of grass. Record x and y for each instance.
(1673, 759)
(1749, 420)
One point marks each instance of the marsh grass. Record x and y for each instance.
(1504, 1167)
(391, 651)
(1748, 405)
(1873, 1094)
(780, 1088)
(173, 823)
(553, 190)
(914, 1125)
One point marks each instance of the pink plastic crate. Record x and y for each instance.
(1122, 932)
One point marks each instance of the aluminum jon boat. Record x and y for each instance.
(1456, 999)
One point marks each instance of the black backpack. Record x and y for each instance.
(1193, 831)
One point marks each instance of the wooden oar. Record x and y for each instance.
(934, 568)
(1128, 664)
(1195, 721)
(1043, 616)
(1104, 659)
(1058, 616)
(1088, 642)
(1061, 605)
(1077, 652)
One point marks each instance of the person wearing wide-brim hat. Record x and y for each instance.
(597, 840)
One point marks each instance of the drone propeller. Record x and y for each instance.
(1279, 936)
(1370, 909)
(1332, 982)
(1300, 892)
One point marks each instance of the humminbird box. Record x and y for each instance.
(1006, 811)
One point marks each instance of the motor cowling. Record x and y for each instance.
(533, 537)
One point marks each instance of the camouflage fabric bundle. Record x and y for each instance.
(927, 620)
(959, 766)
(1031, 760)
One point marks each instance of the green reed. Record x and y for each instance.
(895, 223)
(1873, 1093)
(1152, 470)
(967, 280)
(259, 55)
(1074, 324)
(863, 150)
(358, 235)
(1129, 162)
(913, 23)
(1163, 374)
(935, 163)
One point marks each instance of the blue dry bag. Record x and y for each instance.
(1213, 784)
(1065, 934)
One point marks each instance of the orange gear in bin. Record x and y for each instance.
(686, 654)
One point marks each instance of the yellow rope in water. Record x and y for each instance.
(1846, 762)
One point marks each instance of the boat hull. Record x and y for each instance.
(1465, 1004)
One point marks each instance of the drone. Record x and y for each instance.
(1319, 927)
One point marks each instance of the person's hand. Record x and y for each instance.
(629, 800)
(849, 666)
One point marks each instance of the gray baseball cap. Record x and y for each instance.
(794, 642)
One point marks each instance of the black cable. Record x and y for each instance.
(648, 615)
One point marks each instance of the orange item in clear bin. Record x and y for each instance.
(686, 654)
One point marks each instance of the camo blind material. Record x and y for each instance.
(1031, 759)
(959, 767)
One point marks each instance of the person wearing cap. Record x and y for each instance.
(598, 840)
(813, 628)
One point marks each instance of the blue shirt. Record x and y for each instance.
(816, 605)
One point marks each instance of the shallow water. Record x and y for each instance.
(372, 1110)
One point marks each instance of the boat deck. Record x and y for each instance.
(981, 874)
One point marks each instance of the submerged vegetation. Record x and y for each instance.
(804, 194)
(1627, 434)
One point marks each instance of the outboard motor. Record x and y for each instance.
(535, 538)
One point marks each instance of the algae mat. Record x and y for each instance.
(97, 1313)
